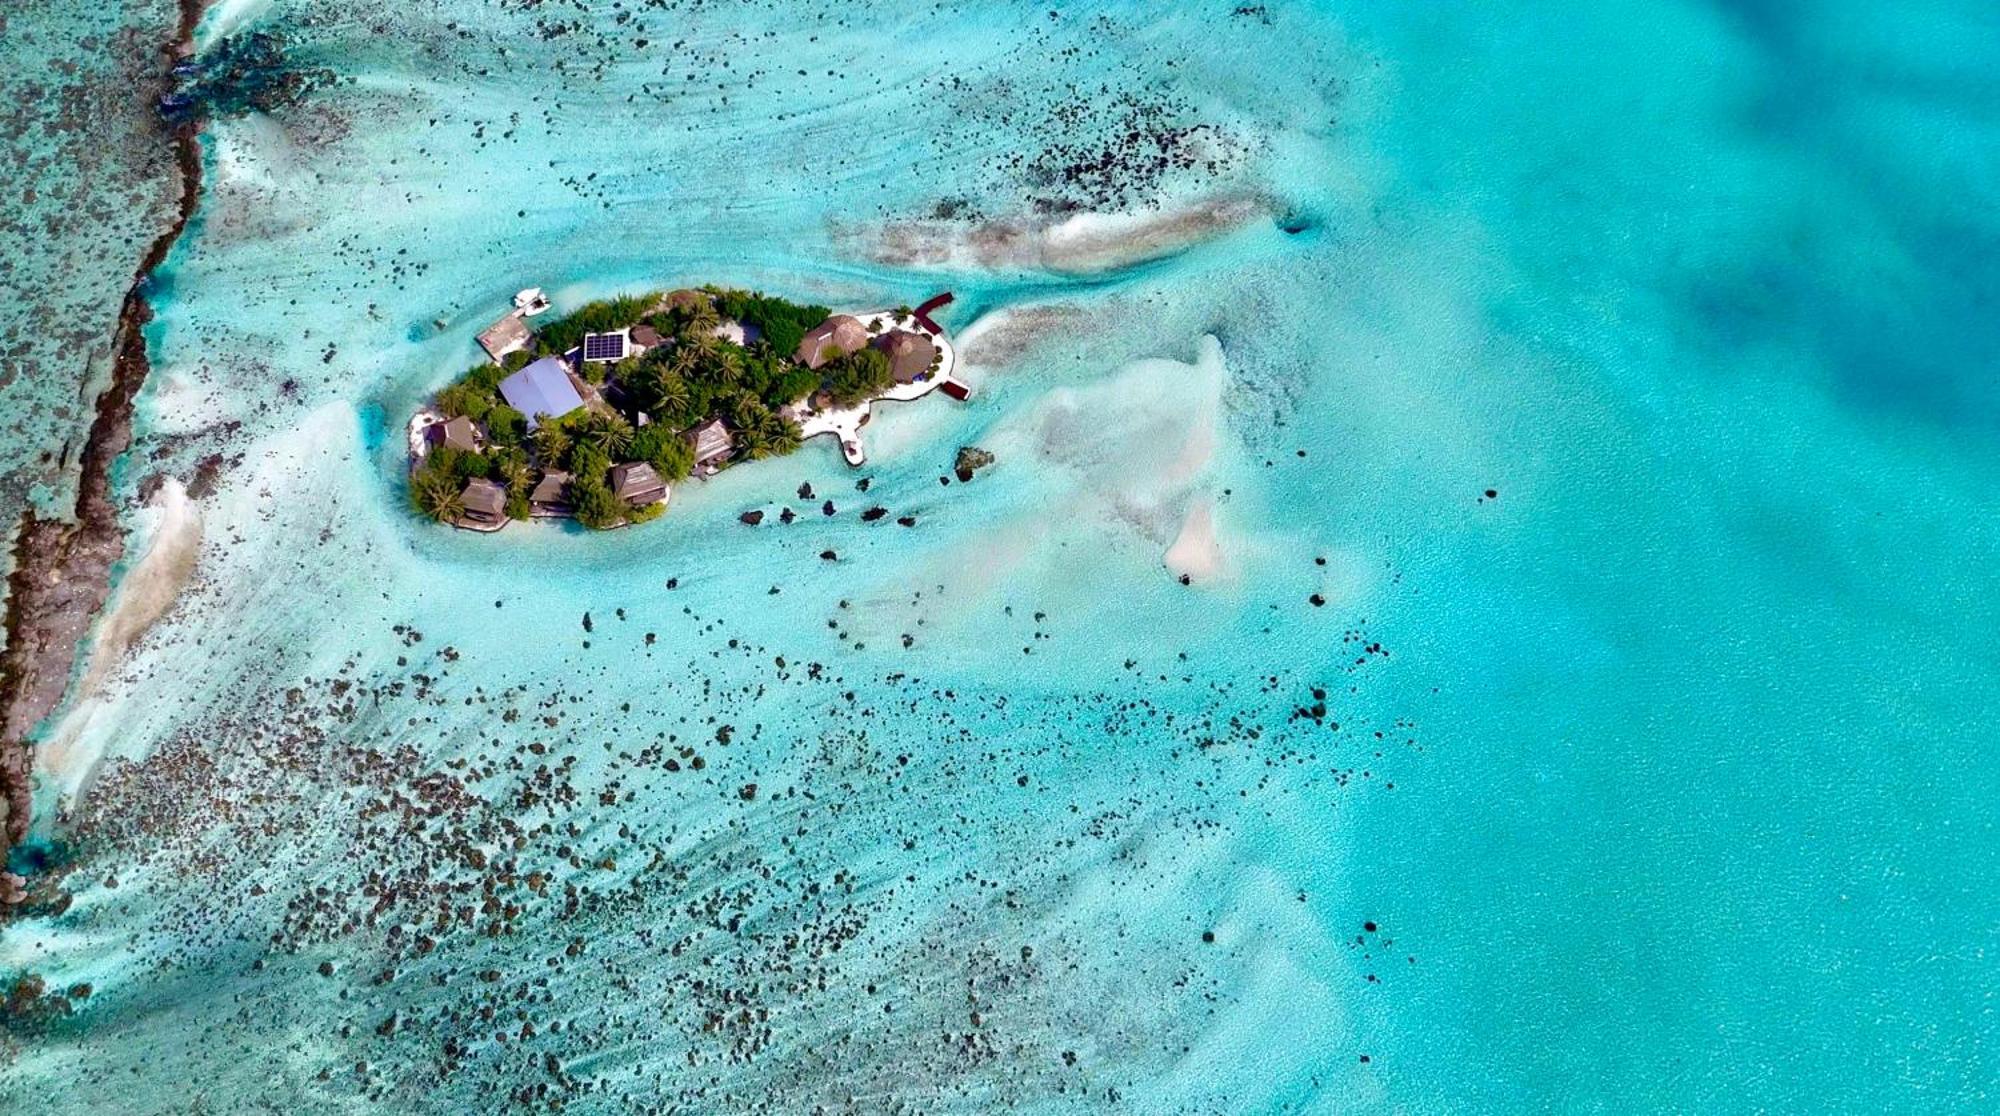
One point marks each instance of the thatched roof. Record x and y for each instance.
(645, 336)
(635, 482)
(484, 500)
(710, 441)
(684, 299)
(839, 334)
(552, 489)
(910, 354)
(455, 433)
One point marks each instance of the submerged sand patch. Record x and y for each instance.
(1081, 244)
(145, 594)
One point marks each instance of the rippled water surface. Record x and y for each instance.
(1483, 603)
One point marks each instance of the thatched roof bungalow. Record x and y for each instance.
(637, 483)
(454, 433)
(551, 495)
(910, 354)
(711, 442)
(485, 503)
(836, 336)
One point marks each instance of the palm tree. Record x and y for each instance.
(552, 441)
(761, 432)
(702, 318)
(725, 365)
(780, 434)
(607, 434)
(514, 475)
(670, 393)
(436, 494)
(686, 359)
(750, 442)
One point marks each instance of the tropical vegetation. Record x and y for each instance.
(651, 401)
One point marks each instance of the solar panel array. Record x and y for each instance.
(604, 346)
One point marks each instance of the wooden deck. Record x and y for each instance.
(923, 313)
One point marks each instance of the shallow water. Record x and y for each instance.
(89, 185)
(1588, 707)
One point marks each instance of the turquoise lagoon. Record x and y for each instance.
(1576, 427)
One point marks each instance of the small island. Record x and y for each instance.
(594, 416)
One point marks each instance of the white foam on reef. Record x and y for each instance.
(144, 595)
(226, 17)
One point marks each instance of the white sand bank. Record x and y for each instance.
(144, 595)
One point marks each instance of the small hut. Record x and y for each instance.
(504, 336)
(910, 354)
(711, 442)
(645, 336)
(485, 503)
(685, 299)
(836, 336)
(454, 433)
(551, 496)
(636, 483)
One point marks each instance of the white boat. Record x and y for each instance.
(531, 302)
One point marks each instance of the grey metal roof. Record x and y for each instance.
(542, 388)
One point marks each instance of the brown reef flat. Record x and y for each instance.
(62, 568)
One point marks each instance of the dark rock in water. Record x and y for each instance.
(238, 75)
(907, 520)
(970, 460)
(873, 514)
(829, 555)
(786, 516)
(753, 518)
(207, 472)
(827, 508)
(805, 490)
(862, 484)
